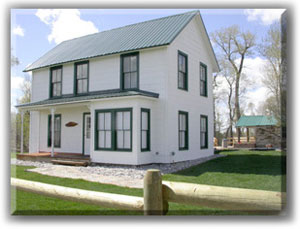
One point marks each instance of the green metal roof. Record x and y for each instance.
(256, 120)
(91, 96)
(153, 33)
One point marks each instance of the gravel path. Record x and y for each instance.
(122, 175)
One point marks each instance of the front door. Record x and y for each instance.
(86, 134)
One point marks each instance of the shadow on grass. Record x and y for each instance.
(241, 164)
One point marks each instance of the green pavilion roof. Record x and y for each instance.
(256, 120)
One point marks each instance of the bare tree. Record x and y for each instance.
(235, 46)
(271, 50)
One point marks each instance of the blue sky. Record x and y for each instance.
(34, 32)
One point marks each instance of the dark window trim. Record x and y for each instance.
(206, 133)
(113, 130)
(50, 81)
(187, 130)
(83, 129)
(49, 135)
(75, 77)
(148, 148)
(205, 67)
(122, 73)
(186, 67)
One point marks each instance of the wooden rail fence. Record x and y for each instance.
(158, 193)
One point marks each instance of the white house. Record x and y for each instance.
(133, 95)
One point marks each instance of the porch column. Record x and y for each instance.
(247, 134)
(52, 131)
(22, 132)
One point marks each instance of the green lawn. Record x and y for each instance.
(256, 170)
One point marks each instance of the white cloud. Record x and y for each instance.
(16, 82)
(264, 16)
(65, 24)
(18, 30)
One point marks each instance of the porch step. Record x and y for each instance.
(72, 163)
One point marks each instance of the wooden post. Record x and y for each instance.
(247, 134)
(22, 131)
(153, 199)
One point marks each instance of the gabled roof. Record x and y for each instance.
(153, 33)
(89, 97)
(256, 120)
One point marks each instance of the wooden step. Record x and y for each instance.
(73, 162)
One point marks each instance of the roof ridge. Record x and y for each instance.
(156, 19)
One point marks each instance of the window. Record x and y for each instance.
(113, 129)
(145, 129)
(104, 130)
(182, 71)
(203, 132)
(81, 77)
(57, 130)
(55, 81)
(183, 129)
(123, 130)
(203, 79)
(130, 71)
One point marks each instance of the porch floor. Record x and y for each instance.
(46, 157)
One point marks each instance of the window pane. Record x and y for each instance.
(127, 80)
(53, 76)
(57, 123)
(79, 71)
(126, 64)
(182, 122)
(58, 75)
(101, 139)
(120, 139)
(107, 121)
(107, 139)
(126, 120)
(84, 70)
(54, 90)
(127, 140)
(144, 139)
(84, 85)
(58, 89)
(181, 80)
(182, 139)
(79, 86)
(119, 120)
(100, 121)
(133, 80)
(133, 63)
(144, 121)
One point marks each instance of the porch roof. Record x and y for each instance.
(256, 120)
(70, 98)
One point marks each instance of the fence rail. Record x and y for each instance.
(158, 193)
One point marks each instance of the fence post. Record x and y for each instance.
(153, 198)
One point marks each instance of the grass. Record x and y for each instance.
(264, 170)
(245, 169)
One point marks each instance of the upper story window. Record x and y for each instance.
(203, 79)
(130, 71)
(182, 71)
(81, 77)
(56, 81)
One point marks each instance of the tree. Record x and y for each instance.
(234, 46)
(271, 50)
